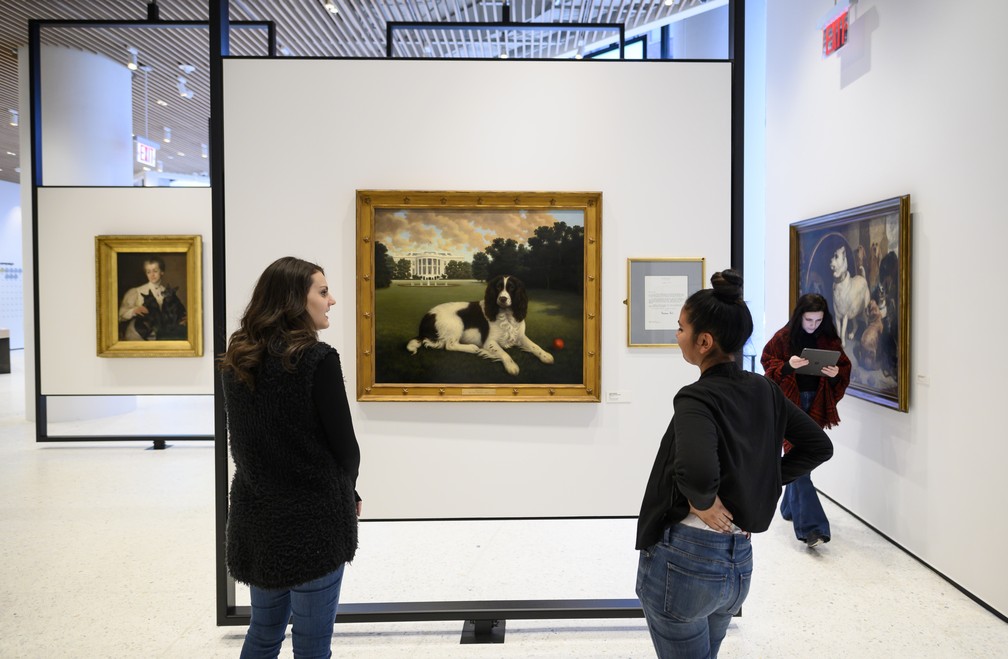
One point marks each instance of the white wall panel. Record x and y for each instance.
(654, 137)
(68, 220)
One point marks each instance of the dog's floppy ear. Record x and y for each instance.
(519, 300)
(490, 308)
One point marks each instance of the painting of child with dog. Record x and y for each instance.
(479, 295)
(152, 307)
(859, 263)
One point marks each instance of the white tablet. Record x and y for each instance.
(817, 359)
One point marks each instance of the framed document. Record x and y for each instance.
(656, 291)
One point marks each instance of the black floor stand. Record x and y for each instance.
(482, 631)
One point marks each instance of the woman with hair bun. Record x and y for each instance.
(716, 478)
(811, 326)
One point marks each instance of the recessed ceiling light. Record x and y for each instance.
(163, 104)
(330, 6)
(131, 63)
(11, 153)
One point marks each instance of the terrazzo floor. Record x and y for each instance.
(107, 550)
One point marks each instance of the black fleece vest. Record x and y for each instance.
(292, 515)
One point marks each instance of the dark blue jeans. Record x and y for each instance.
(800, 502)
(313, 606)
(690, 584)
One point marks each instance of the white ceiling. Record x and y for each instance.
(304, 28)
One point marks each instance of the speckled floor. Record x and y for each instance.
(107, 550)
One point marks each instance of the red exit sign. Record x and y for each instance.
(834, 35)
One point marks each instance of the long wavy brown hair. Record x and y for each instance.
(276, 321)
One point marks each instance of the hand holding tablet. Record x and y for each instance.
(817, 360)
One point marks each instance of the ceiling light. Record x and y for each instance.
(186, 68)
(11, 153)
(184, 91)
(132, 63)
(204, 151)
(162, 103)
(167, 134)
(330, 6)
(13, 117)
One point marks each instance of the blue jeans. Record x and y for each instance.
(690, 584)
(800, 502)
(313, 606)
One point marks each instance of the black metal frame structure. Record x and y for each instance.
(484, 619)
(504, 25)
(35, 27)
(641, 38)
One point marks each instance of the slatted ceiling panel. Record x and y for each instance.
(304, 29)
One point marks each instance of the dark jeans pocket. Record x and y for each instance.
(690, 594)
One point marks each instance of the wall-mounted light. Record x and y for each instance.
(13, 117)
(132, 63)
(184, 91)
(167, 135)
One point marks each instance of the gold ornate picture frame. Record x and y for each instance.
(149, 296)
(859, 260)
(656, 291)
(425, 263)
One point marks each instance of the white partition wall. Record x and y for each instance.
(653, 137)
(68, 221)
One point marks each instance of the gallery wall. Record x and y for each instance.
(68, 221)
(912, 105)
(653, 137)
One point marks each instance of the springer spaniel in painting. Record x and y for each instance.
(486, 328)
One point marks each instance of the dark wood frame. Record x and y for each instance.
(877, 344)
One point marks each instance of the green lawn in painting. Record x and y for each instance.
(552, 315)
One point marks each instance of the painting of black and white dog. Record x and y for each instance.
(487, 327)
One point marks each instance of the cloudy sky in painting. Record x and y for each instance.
(461, 232)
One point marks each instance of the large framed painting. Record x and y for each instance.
(149, 293)
(656, 292)
(859, 260)
(478, 296)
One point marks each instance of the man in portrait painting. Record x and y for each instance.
(152, 311)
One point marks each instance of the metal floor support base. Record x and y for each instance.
(482, 631)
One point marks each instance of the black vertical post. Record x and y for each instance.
(35, 126)
(271, 38)
(219, 48)
(736, 52)
(666, 42)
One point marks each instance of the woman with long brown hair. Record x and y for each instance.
(292, 519)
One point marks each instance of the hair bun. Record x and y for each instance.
(727, 286)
